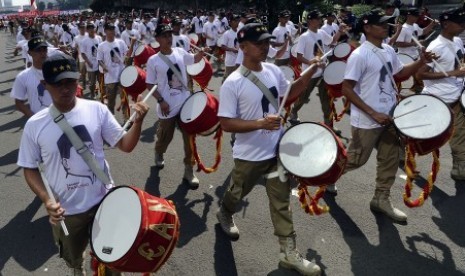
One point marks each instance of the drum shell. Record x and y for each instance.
(334, 90)
(138, 86)
(144, 56)
(207, 122)
(139, 258)
(204, 77)
(398, 79)
(333, 173)
(344, 58)
(425, 146)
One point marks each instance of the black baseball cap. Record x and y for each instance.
(235, 17)
(162, 28)
(314, 14)
(58, 67)
(36, 42)
(283, 14)
(413, 11)
(456, 15)
(109, 26)
(176, 21)
(253, 32)
(373, 17)
(90, 26)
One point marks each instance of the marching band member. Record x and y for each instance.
(309, 48)
(449, 89)
(77, 45)
(89, 47)
(22, 46)
(110, 55)
(131, 37)
(369, 87)
(77, 188)
(198, 26)
(244, 110)
(179, 39)
(283, 33)
(231, 46)
(171, 93)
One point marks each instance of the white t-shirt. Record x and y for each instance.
(45, 28)
(230, 41)
(181, 41)
(406, 34)
(89, 47)
(58, 30)
(212, 31)
(66, 38)
(112, 54)
(310, 44)
(374, 85)
(77, 44)
(282, 33)
(169, 86)
(127, 35)
(448, 89)
(198, 25)
(70, 178)
(27, 86)
(240, 98)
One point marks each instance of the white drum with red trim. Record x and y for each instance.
(199, 114)
(132, 78)
(142, 54)
(201, 72)
(288, 72)
(194, 38)
(342, 51)
(333, 76)
(404, 59)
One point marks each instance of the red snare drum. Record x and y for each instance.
(333, 77)
(294, 61)
(404, 59)
(427, 123)
(194, 38)
(342, 51)
(199, 114)
(142, 54)
(155, 45)
(312, 153)
(132, 78)
(201, 72)
(134, 231)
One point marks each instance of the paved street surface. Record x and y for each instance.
(350, 240)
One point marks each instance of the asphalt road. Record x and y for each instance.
(349, 240)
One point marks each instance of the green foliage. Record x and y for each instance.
(41, 6)
(359, 9)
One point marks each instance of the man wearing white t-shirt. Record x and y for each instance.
(29, 93)
(171, 93)
(369, 87)
(89, 47)
(131, 37)
(449, 89)
(198, 27)
(76, 188)
(111, 55)
(210, 32)
(246, 111)
(22, 46)
(330, 28)
(77, 45)
(283, 37)
(179, 39)
(309, 50)
(231, 46)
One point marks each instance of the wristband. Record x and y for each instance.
(160, 100)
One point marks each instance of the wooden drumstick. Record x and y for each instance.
(408, 112)
(50, 194)
(435, 20)
(434, 61)
(200, 49)
(133, 116)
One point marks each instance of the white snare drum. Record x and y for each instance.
(424, 120)
(405, 59)
(334, 72)
(288, 72)
(199, 114)
(312, 153)
(196, 68)
(342, 50)
(193, 37)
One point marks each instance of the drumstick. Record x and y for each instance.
(427, 17)
(434, 61)
(198, 48)
(408, 112)
(133, 116)
(426, 39)
(50, 194)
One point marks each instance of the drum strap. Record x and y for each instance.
(80, 147)
(174, 69)
(251, 77)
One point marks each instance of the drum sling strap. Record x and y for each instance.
(174, 69)
(251, 77)
(80, 147)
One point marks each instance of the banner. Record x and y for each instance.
(43, 13)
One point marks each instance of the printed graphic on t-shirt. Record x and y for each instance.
(317, 48)
(174, 82)
(385, 85)
(94, 50)
(72, 163)
(40, 94)
(265, 103)
(180, 43)
(460, 56)
(236, 43)
(115, 55)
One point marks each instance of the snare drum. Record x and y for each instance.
(132, 78)
(199, 114)
(427, 123)
(155, 45)
(134, 231)
(142, 54)
(312, 153)
(404, 59)
(288, 72)
(342, 51)
(194, 38)
(333, 77)
(201, 72)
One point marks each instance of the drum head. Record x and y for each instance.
(154, 44)
(196, 68)
(129, 76)
(288, 72)
(116, 225)
(462, 100)
(334, 72)
(307, 150)
(431, 118)
(405, 59)
(193, 107)
(342, 50)
(139, 50)
(194, 37)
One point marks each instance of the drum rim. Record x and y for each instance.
(142, 46)
(340, 45)
(422, 138)
(338, 62)
(121, 75)
(187, 67)
(156, 44)
(407, 55)
(462, 99)
(289, 68)
(184, 103)
(91, 243)
(314, 123)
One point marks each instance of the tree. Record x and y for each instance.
(49, 6)
(41, 6)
